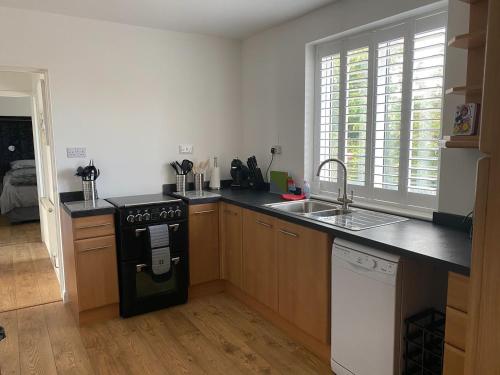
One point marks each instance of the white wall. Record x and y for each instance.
(458, 167)
(130, 95)
(273, 71)
(15, 106)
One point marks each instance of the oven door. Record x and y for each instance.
(134, 240)
(141, 291)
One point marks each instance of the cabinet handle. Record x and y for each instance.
(264, 224)
(94, 226)
(288, 233)
(203, 212)
(95, 248)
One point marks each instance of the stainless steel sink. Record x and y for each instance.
(334, 214)
(306, 206)
(327, 213)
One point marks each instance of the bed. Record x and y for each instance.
(19, 194)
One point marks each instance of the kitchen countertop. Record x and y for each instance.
(444, 246)
(88, 208)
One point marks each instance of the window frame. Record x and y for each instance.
(401, 199)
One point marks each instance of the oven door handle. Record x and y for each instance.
(176, 260)
(174, 227)
(139, 231)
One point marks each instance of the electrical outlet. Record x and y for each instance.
(76, 152)
(185, 149)
(276, 149)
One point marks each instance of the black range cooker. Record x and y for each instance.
(152, 252)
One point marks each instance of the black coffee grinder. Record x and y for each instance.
(239, 173)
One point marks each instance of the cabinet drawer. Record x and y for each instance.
(454, 361)
(93, 226)
(94, 244)
(203, 209)
(458, 291)
(456, 327)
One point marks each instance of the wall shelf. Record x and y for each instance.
(468, 41)
(464, 90)
(460, 141)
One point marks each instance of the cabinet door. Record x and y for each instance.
(97, 275)
(260, 273)
(204, 243)
(231, 241)
(304, 278)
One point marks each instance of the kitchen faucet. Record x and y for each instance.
(344, 200)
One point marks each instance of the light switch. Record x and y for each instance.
(185, 149)
(76, 152)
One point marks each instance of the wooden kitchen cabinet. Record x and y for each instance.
(456, 324)
(454, 361)
(97, 275)
(458, 291)
(260, 267)
(90, 266)
(204, 261)
(231, 225)
(304, 278)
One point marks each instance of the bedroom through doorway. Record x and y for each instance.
(19, 214)
(29, 262)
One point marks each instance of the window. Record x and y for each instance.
(379, 102)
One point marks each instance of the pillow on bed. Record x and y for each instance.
(20, 164)
(23, 172)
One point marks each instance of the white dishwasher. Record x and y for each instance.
(372, 293)
(366, 310)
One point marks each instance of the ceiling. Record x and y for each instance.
(227, 18)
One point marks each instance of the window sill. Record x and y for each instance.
(406, 212)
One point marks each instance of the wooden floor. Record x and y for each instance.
(18, 233)
(27, 277)
(210, 335)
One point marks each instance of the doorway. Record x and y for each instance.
(29, 222)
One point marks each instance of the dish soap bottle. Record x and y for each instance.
(291, 185)
(307, 190)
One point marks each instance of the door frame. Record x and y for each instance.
(58, 264)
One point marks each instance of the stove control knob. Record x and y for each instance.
(146, 216)
(163, 215)
(171, 213)
(138, 218)
(178, 213)
(130, 218)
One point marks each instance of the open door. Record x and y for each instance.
(47, 187)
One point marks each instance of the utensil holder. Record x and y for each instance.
(180, 183)
(199, 180)
(89, 190)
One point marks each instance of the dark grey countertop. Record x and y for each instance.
(424, 240)
(88, 208)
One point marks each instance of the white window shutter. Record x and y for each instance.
(388, 114)
(426, 106)
(356, 116)
(329, 114)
